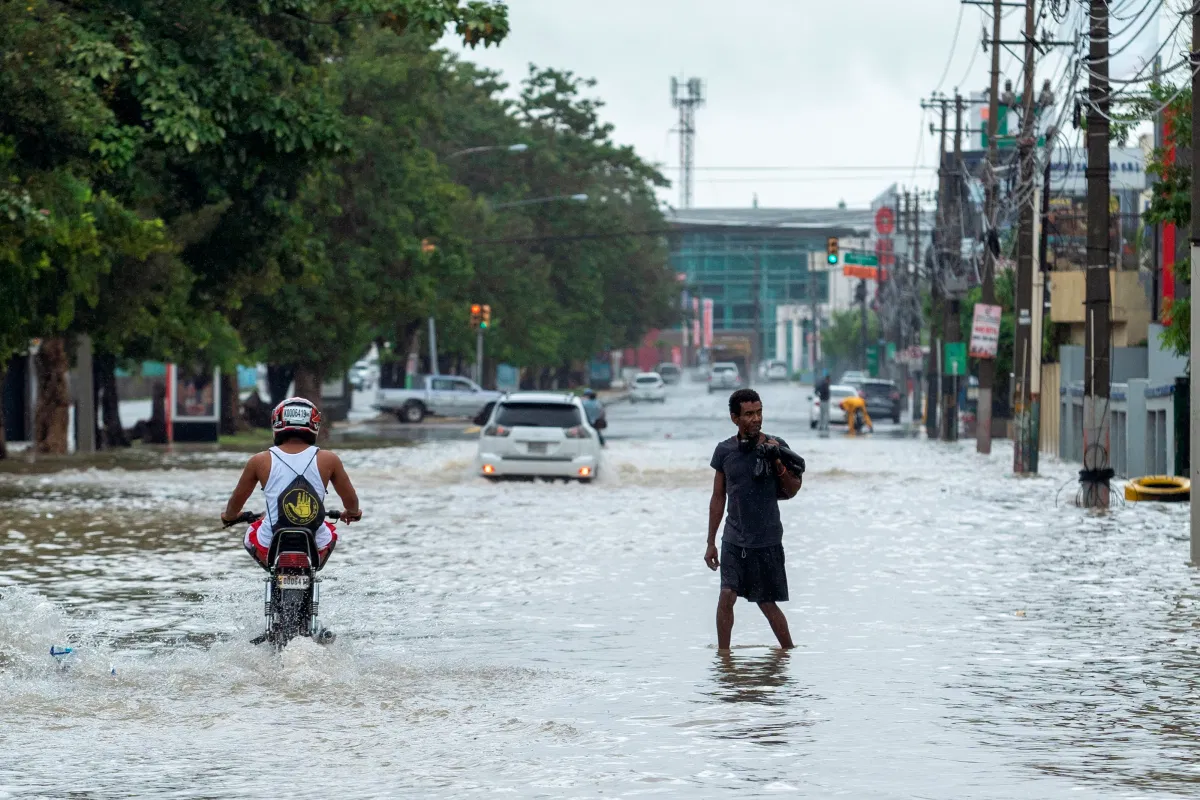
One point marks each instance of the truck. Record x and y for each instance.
(435, 395)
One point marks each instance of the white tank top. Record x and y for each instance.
(284, 469)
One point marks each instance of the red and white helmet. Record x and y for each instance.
(296, 414)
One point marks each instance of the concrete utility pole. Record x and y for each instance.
(952, 254)
(1022, 340)
(756, 337)
(915, 334)
(1194, 329)
(687, 103)
(84, 386)
(933, 369)
(987, 366)
(1097, 471)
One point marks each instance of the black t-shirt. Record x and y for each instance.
(823, 390)
(751, 505)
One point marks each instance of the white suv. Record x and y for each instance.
(541, 434)
(724, 375)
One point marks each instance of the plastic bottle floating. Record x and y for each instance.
(65, 656)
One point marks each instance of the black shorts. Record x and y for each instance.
(755, 573)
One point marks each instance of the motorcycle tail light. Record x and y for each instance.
(497, 430)
(576, 432)
(292, 560)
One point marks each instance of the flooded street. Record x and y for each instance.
(958, 633)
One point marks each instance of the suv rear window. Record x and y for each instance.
(724, 368)
(648, 379)
(879, 389)
(537, 415)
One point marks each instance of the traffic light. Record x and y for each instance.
(476, 315)
(486, 320)
(831, 251)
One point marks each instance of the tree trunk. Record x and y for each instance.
(309, 378)
(53, 401)
(104, 371)
(3, 437)
(230, 400)
(279, 377)
(155, 431)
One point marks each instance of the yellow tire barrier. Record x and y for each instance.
(1159, 488)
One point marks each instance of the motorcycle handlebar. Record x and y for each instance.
(254, 516)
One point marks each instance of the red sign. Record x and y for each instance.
(866, 273)
(885, 221)
(885, 252)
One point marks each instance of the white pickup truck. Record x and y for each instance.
(437, 395)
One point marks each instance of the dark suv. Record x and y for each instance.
(883, 398)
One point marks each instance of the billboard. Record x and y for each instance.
(707, 321)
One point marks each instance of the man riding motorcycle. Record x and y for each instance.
(293, 475)
(595, 413)
(856, 414)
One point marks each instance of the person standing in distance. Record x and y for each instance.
(751, 557)
(823, 396)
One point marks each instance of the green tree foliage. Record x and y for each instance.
(841, 342)
(1171, 202)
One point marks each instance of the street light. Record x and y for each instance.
(512, 148)
(577, 198)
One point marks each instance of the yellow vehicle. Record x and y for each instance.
(856, 414)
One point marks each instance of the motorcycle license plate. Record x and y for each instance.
(293, 581)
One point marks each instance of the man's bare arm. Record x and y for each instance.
(243, 490)
(789, 483)
(345, 489)
(716, 510)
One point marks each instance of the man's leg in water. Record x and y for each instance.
(725, 617)
(778, 624)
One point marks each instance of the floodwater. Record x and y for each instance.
(959, 633)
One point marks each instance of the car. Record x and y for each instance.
(671, 373)
(853, 377)
(724, 375)
(538, 434)
(437, 395)
(837, 393)
(648, 387)
(883, 398)
(363, 375)
(777, 371)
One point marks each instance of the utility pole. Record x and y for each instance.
(1097, 471)
(987, 366)
(952, 252)
(756, 337)
(687, 103)
(915, 334)
(934, 366)
(1022, 340)
(1194, 329)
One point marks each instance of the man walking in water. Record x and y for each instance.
(751, 557)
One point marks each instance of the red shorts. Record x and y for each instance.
(260, 553)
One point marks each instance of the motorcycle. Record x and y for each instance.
(292, 587)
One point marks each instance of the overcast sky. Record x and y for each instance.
(829, 86)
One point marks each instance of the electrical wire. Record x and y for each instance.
(953, 47)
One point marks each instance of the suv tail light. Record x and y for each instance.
(895, 395)
(497, 430)
(576, 432)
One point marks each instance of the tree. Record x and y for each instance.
(841, 342)
(1171, 202)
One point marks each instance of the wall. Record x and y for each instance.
(1164, 366)
(1130, 306)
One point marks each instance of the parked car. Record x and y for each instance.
(541, 434)
(777, 370)
(364, 375)
(648, 387)
(671, 373)
(837, 393)
(883, 398)
(724, 375)
(853, 377)
(438, 395)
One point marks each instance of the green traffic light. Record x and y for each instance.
(831, 258)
